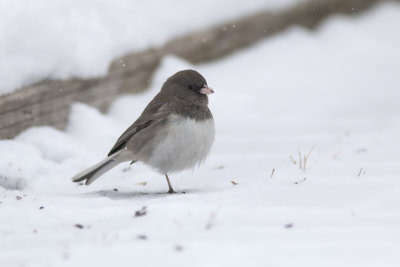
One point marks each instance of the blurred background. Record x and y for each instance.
(305, 169)
(57, 52)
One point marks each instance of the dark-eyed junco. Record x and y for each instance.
(175, 131)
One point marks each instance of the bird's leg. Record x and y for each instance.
(170, 189)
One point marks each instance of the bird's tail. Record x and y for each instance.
(94, 172)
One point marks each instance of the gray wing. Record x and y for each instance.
(153, 113)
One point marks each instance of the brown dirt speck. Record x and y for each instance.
(141, 212)
(79, 226)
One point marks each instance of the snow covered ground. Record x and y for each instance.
(74, 38)
(331, 95)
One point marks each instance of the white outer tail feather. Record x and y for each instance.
(97, 170)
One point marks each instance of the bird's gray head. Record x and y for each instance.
(188, 85)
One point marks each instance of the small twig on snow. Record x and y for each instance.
(272, 173)
(311, 150)
(292, 159)
(300, 161)
(363, 172)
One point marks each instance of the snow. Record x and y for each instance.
(331, 95)
(71, 38)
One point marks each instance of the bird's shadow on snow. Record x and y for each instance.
(112, 194)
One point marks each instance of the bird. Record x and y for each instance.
(175, 131)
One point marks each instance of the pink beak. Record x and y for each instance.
(206, 90)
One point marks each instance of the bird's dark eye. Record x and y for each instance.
(190, 87)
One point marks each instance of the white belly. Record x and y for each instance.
(186, 145)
